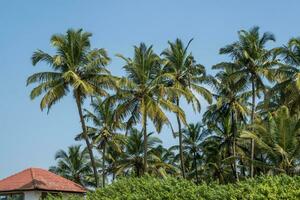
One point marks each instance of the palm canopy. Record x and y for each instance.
(164, 161)
(131, 161)
(187, 73)
(105, 128)
(73, 164)
(193, 136)
(287, 90)
(222, 134)
(221, 149)
(278, 136)
(230, 94)
(142, 92)
(291, 52)
(74, 64)
(252, 60)
(216, 160)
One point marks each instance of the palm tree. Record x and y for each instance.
(278, 136)
(73, 165)
(287, 90)
(104, 132)
(231, 103)
(131, 161)
(74, 66)
(193, 137)
(253, 62)
(215, 156)
(163, 163)
(187, 75)
(223, 135)
(141, 94)
(112, 158)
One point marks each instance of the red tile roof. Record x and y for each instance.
(38, 179)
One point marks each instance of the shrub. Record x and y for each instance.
(148, 188)
(64, 197)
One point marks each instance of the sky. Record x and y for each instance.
(29, 137)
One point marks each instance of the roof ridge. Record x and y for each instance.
(33, 179)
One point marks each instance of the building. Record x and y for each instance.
(35, 184)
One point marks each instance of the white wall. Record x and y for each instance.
(32, 195)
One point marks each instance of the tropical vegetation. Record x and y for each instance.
(250, 128)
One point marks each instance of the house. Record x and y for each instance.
(35, 184)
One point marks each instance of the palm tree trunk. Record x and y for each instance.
(85, 136)
(234, 120)
(252, 122)
(180, 142)
(113, 176)
(137, 171)
(145, 139)
(103, 165)
(243, 171)
(196, 167)
(235, 162)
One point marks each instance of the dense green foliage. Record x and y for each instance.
(148, 188)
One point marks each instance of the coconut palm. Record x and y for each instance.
(187, 75)
(278, 136)
(164, 162)
(287, 90)
(224, 136)
(131, 161)
(231, 101)
(254, 62)
(216, 161)
(141, 94)
(104, 130)
(75, 66)
(112, 158)
(73, 164)
(193, 137)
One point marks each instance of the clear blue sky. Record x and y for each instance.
(30, 137)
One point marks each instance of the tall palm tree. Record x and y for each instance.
(74, 66)
(187, 75)
(278, 136)
(254, 62)
(231, 101)
(73, 165)
(141, 94)
(104, 131)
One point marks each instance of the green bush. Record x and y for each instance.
(148, 188)
(64, 197)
